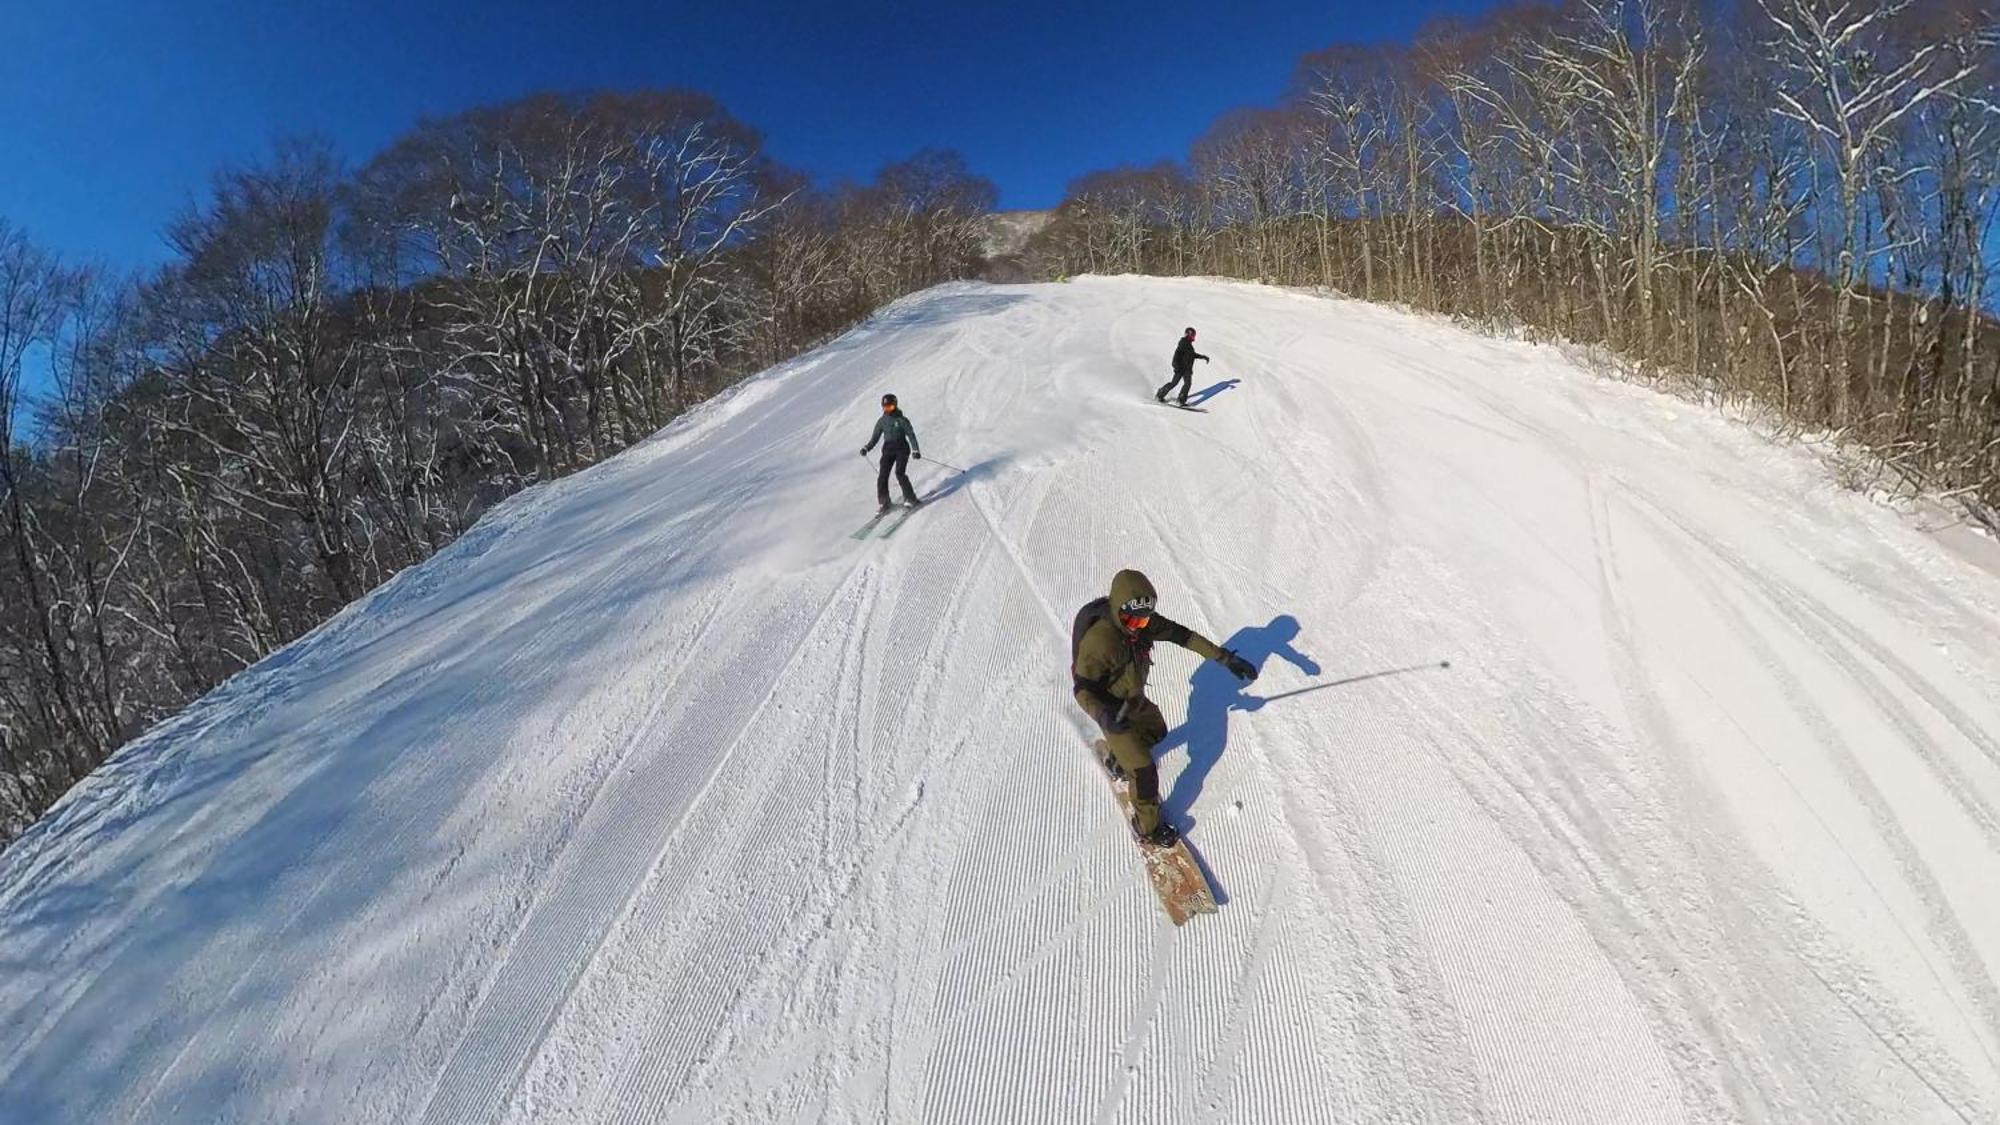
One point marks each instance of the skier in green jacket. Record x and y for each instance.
(899, 444)
(1112, 651)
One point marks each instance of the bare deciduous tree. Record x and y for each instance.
(1792, 201)
(337, 374)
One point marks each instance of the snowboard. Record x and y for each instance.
(1175, 874)
(1178, 406)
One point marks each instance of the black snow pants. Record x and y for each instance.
(895, 455)
(1182, 379)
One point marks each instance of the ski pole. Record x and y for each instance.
(944, 465)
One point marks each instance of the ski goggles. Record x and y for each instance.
(1136, 614)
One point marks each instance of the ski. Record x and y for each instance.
(872, 524)
(894, 517)
(1174, 872)
(899, 521)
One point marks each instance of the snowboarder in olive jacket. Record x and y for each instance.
(1184, 357)
(899, 444)
(1112, 649)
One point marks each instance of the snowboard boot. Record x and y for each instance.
(1163, 835)
(1146, 797)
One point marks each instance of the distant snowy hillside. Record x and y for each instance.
(658, 797)
(1008, 232)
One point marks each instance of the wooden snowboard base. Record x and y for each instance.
(1176, 876)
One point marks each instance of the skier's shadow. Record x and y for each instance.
(1210, 391)
(959, 478)
(1215, 693)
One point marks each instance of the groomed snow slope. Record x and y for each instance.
(658, 797)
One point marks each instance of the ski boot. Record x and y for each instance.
(1163, 836)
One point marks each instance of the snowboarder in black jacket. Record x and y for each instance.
(1184, 357)
(899, 444)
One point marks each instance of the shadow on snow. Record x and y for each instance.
(1203, 395)
(1215, 693)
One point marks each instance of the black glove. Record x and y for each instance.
(1120, 721)
(917, 453)
(864, 453)
(1204, 359)
(1240, 668)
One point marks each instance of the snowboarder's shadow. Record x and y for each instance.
(1209, 392)
(1214, 694)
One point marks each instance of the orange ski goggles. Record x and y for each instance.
(1136, 614)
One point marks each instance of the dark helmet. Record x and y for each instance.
(888, 400)
(1190, 333)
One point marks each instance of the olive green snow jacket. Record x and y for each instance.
(1111, 664)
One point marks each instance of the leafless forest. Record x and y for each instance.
(341, 369)
(1785, 201)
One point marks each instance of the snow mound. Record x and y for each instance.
(660, 797)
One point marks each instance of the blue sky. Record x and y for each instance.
(114, 113)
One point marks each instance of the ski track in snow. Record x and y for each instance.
(659, 798)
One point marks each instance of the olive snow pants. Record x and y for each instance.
(1132, 748)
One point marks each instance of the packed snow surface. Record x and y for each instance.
(1607, 764)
